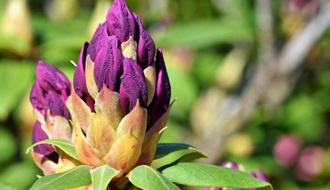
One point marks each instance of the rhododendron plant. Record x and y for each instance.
(102, 131)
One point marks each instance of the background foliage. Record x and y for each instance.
(212, 50)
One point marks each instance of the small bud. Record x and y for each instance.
(162, 96)
(132, 86)
(146, 46)
(79, 78)
(51, 79)
(108, 63)
(120, 21)
(99, 34)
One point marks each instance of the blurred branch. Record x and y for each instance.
(296, 50)
(232, 113)
(266, 30)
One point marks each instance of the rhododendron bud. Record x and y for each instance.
(48, 96)
(119, 104)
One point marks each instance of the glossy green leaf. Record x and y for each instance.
(185, 158)
(164, 149)
(194, 174)
(147, 178)
(76, 177)
(102, 176)
(62, 144)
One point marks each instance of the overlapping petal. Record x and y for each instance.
(133, 86)
(162, 96)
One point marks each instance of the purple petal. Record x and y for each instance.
(160, 103)
(37, 98)
(56, 104)
(79, 79)
(108, 64)
(120, 21)
(132, 86)
(99, 35)
(50, 78)
(146, 46)
(45, 149)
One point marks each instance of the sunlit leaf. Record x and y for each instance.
(76, 177)
(164, 149)
(62, 144)
(194, 174)
(147, 178)
(102, 176)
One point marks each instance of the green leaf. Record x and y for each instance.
(194, 174)
(185, 158)
(64, 145)
(102, 176)
(76, 177)
(164, 149)
(147, 178)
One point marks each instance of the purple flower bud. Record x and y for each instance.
(37, 98)
(132, 86)
(45, 149)
(50, 90)
(51, 78)
(108, 63)
(120, 21)
(162, 96)
(146, 46)
(79, 79)
(56, 104)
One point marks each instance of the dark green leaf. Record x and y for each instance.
(164, 149)
(194, 174)
(147, 178)
(76, 177)
(64, 145)
(102, 176)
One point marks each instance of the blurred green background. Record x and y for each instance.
(212, 49)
